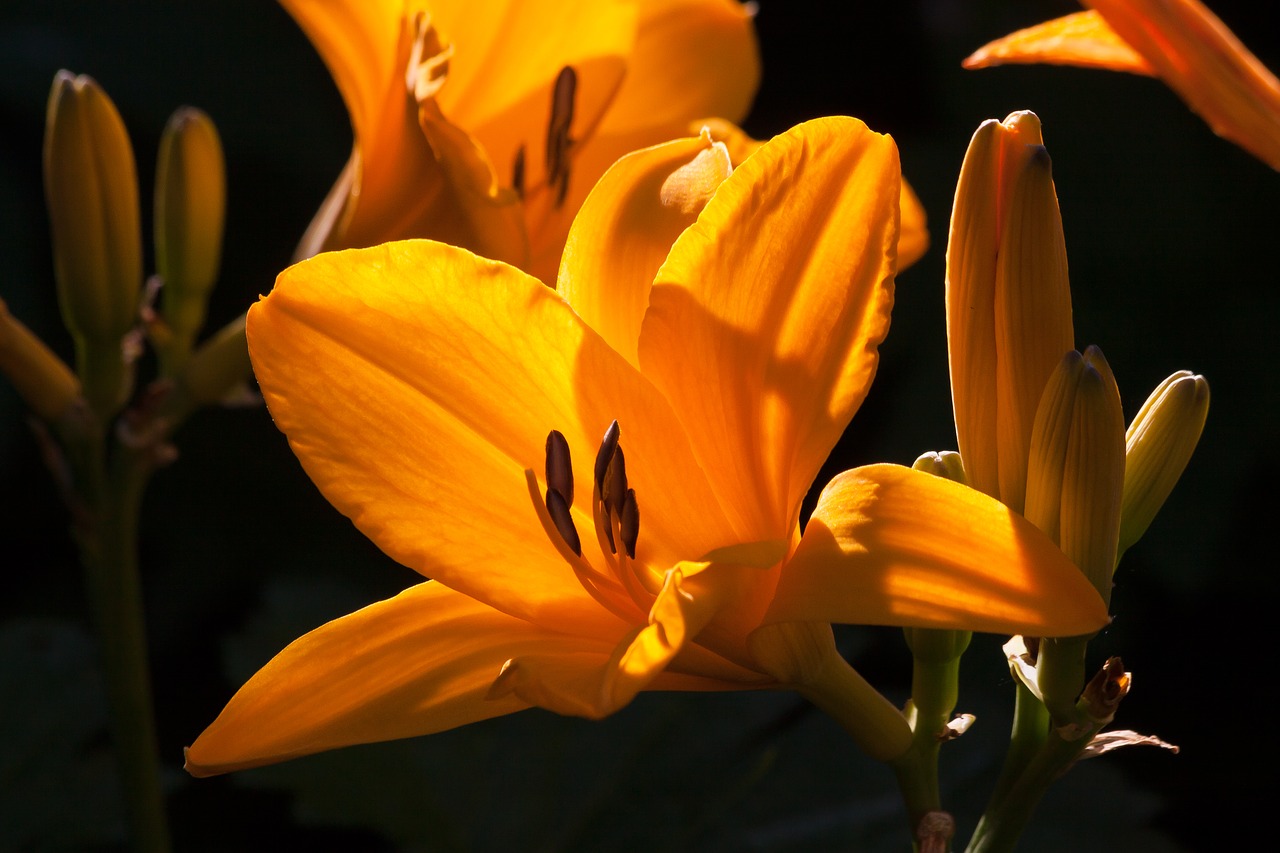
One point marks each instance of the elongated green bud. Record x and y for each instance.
(190, 206)
(43, 380)
(1160, 442)
(91, 188)
(219, 367)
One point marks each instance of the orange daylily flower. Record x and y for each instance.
(1179, 41)
(484, 123)
(720, 325)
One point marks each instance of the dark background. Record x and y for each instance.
(1171, 234)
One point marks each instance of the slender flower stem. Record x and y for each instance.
(107, 535)
(1030, 726)
(1004, 820)
(934, 691)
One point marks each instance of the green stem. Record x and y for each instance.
(1004, 821)
(934, 691)
(107, 539)
(1030, 726)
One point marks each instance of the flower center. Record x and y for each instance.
(628, 587)
(425, 75)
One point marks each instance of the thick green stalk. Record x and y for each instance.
(107, 535)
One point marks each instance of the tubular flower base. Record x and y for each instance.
(1179, 41)
(485, 124)
(454, 409)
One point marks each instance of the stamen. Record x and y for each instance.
(563, 520)
(559, 466)
(558, 142)
(605, 590)
(517, 172)
(615, 483)
(629, 523)
(605, 454)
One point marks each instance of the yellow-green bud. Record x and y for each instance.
(190, 205)
(1076, 475)
(1160, 442)
(1093, 476)
(946, 464)
(42, 379)
(92, 191)
(219, 366)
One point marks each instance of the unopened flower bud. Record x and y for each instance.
(190, 204)
(946, 464)
(220, 367)
(1008, 300)
(92, 191)
(1160, 442)
(43, 380)
(1076, 476)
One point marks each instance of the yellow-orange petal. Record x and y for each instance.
(690, 58)
(891, 546)
(626, 227)
(797, 246)
(913, 234)
(595, 685)
(1203, 61)
(417, 383)
(1083, 39)
(361, 43)
(418, 663)
(1180, 41)
(507, 57)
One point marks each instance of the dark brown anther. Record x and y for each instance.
(558, 508)
(629, 523)
(558, 142)
(605, 455)
(517, 172)
(615, 483)
(559, 466)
